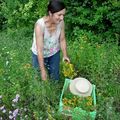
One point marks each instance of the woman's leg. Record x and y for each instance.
(51, 63)
(54, 62)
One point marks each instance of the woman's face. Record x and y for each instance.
(58, 16)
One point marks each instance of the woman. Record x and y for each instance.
(49, 37)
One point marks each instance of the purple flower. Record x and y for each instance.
(15, 112)
(17, 96)
(15, 100)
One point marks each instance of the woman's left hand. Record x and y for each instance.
(66, 59)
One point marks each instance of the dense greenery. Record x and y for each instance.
(100, 63)
(99, 20)
(92, 30)
(21, 13)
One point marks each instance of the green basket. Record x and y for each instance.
(77, 113)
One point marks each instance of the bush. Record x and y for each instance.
(20, 14)
(101, 18)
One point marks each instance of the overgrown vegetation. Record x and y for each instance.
(100, 63)
(92, 29)
(100, 20)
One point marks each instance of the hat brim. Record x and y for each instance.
(74, 91)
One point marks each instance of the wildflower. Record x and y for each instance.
(4, 111)
(13, 105)
(15, 112)
(15, 100)
(68, 70)
(10, 117)
(10, 112)
(25, 109)
(17, 96)
(26, 116)
(1, 108)
(0, 96)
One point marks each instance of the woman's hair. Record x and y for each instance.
(55, 6)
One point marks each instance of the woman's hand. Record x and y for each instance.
(43, 75)
(66, 59)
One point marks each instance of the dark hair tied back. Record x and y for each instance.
(55, 6)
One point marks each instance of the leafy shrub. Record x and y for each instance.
(18, 13)
(98, 18)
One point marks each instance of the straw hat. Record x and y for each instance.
(81, 87)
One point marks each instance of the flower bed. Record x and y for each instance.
(78, 108)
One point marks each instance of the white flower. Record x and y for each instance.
(0, 96)
(1, 108)
(4, 111)
(10, 112)
(26, 116)
(25, 109)
(11, 117)
(15, 100)
(13, 105)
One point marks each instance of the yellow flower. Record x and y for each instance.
(68, 70)
(27, 66)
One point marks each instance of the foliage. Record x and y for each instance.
(98, 18)
(21, 13)
(99, 63)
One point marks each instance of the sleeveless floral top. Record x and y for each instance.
(51, 42)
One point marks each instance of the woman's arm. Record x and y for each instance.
(39, 45)
(63, 44)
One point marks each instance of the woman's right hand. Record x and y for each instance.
(43, 75)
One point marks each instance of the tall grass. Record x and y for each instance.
(100, 63)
